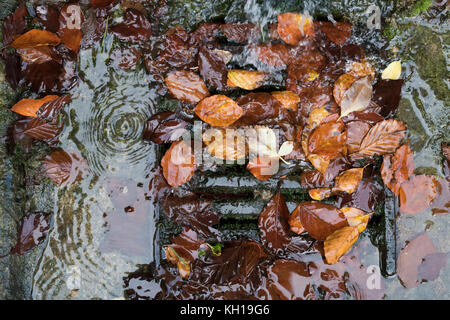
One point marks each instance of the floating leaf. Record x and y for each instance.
(224, 144)
(288, 99)
(348, 181)
(32, 231)
(431, 266)
(218, 110)
(392, 71)
(186, 86)
(293, 27)
(273, 223)
(411, 258)
(357, 97)
(36, 38)
(134, 28)
(384, 137)
(245, 79)
(178, 164)
(164, 127)
(320, 219)
(417, 193)
(339, 242)
(397, 168)
(262, 167)
(29, 107)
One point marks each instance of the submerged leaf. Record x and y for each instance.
(417, 193)
(64, 168)
(339, 242)
(186, 86)
(293, 27)
(342, 84)
(32, 231)
(218, 110)
(14, 24)
(178, 164)
(164, 127)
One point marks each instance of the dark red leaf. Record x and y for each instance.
(48, 16)
(134, 28)
(43, 130)
(17, 136)
(164, 127)
(212, 69)
(50, 110)
(177, 52)
(13, 71)
(387, 94)
(320, 219)
(337, 32)
(64, 168)
(356, 130)
(101, 3)
(187, 244)
(258, 107)
(366, 197)
(14, 24)
(126, 58)
(42, 77)
(241, 32)
(206, 33)
(32, 231)
(273, 223)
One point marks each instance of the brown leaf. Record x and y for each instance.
(71, 19)
(178, 164)
(101, 3)
(348, 181)
(320, 219)
(342, 84)
(328, 138)
(29, 107)
(320, 193)
(357, 97)
(40, 55)
(51, 109)
(212, 69)
(273, 223)
(134, 28)
(43, 130)
(48, 17)
(218, 110)
(64, 168)
(288, 99)
(186, 86)
(262, 167)
(273, 54)
(294, 221)
(14, 24)
(321, 162)
(411, 257)
(403, 164)
(245, 79)
(164, 127)
(172, 255)
(32, 231)
(417, 193)
(293, 27)
(339, 242)
(259, 108)
(366, 197)
(241, 32)
(337, 32)
(356, 130)
(36, 38)
(384, 137)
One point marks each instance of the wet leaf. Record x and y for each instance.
(328, 138)
(321, 162)
(273, 54)
(295, 224)
(36, 38)
(288, 99)
(342, 84)
(431, 266)
(441, 203)
(43, 130)
(320, 219)
(126, 58)
(273, 223)
(17, 136)
(356, 218)
(48, 17)
(348, 181)
(187, 244)
(178, 164)
(417, 193)
(339, 242)
(356, 130)
(384, 137)
(172, 255)
(392, 71)
(40, 55)
(101, 3)
(164, 127)
(218, 110)
(43, 77)
(337, 32)
(213, 69)
(357, 97)
(387, 94)
(241, 32)
(13, 71)
(259, 107)
(262, 167)
(32, 230)
(398, 168)
(193, 212)
(224, 144)
(245, 79)
(411, 258)
(446, 158)
(316, 117)
(70, 20)
(366, 197)
(14, 24)
(313, 179)
(320, 193)
(186, 86)
(29, 107)
(134, 28)
(51, 109)
(64, 168)
(293, 27)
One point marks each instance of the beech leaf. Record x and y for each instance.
(32, 231)
(186, 86)
(218, 110)
(245, 79)
(29, 107)
(392, 71)
(417, 193)
(384, 137)
(36, 38)
(357, 97)
(178, 164)
(339, 242)
(348, 181)
(293, 27)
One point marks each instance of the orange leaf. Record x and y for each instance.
(262, 167)
(218, 110)
(339, 242)
(316, 116)
(294, 222)
(293, 27)
(71, 35)
(186, 86)
(356, 218)
(348, 181)
(29, 107)
(361, 69)
(178, 164)
(225, 144)
(36, 38)
(183, 266)
(39, 55)
(356, 130)
(403, 164)
(245, 79)
(320, 162)
(341, 85)
(383, 137)
(328, 138)
(320, 193)
(288, 99)
(417, 193)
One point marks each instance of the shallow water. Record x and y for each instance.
(94, 241)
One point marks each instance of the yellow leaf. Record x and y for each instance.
(339, 242)
(245, 79)
(356, 218)
(348, 181)
(393, 71)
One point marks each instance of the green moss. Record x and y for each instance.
(419, 7)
